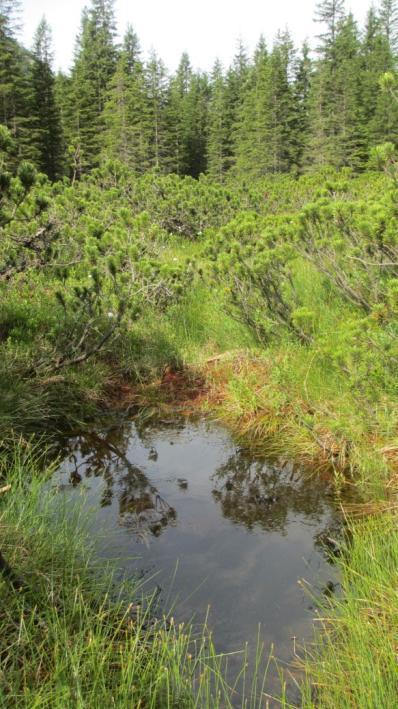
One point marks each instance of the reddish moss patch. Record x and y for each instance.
(181, 391)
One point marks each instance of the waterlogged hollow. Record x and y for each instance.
(208, 526)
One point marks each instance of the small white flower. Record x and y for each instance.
(111, 315)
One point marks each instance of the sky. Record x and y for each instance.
(206, 29)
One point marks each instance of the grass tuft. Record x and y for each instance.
(354, 661)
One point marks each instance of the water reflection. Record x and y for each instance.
(251, 492)
(241, 532)
(141, 508)
(254, 493)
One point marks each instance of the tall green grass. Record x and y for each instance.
(195, 329)
(354, 662)
(203, 328)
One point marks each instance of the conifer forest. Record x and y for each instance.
(198, 369)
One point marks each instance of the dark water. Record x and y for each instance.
(210, 526)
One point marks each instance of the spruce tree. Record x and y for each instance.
(380, 113)
(15, 87)
(389, 22)
(236, 84)
(264, 135)
(199, 97)
(301, 92)
(47, 124)
(329, 13)
(132, 50)
(188, 96)
(217, 152)
(116, 138)
(269, 114)
(338, 135)
(125, 114)
(251, 132)
(349, 140)
(95, 64)
(64, 98)
(8, 64)
(180, 117)
(282, 108)
(160, 152)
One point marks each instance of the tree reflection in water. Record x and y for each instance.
(251, 492)
(141, 508)
(260, 495)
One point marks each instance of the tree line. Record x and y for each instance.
(281, 110)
